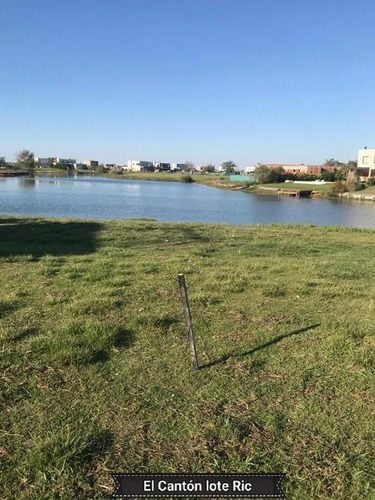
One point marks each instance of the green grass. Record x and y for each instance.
(49, 171)
(324, 188)
(367, 190)
(96, 373)
(210, 179)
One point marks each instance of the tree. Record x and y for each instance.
(267, 175)
(328, 176)
(331, 162)
(59, 166)
(229, 167)
(99, 169)
(338, 188)
(209, 168)
(352, 164)
(3, 163)
(189, 165)
(351, 180)
(25, 159)
(342, 173)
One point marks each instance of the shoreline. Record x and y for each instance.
(318, 191)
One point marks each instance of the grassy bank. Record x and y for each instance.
(96, 374)
(322, 188)
(51, 171)
(210, 179)
(368, 190)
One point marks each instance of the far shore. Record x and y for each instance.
(218, 181)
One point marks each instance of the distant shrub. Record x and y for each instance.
(186, 178)
(371, 182)
(267, 175)
(328, 176)
(359, 186)
(300, 177)
(338, 188)
(100, 170)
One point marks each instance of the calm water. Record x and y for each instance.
(100, 198)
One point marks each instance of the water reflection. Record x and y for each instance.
(27, 182)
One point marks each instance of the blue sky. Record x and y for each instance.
(200, 80)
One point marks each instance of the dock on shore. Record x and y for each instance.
(307, 193)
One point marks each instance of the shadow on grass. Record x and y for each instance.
(99, 444)
(29, 332)
(156, 235)
(7, 307)
(259, 348)
(88, 353)
(36, 238)
(76, 449)
(124, 339)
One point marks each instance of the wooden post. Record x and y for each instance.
(185, 302)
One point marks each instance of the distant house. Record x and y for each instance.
(200, 169)
(140, 166)
(295, 169)
(80, 166)
(269, 165)
(46, 162)
(67, 162)
(42, 162)
(314, 169)
(249, 170)
(179, 167)
(366, 163)
(91, 163)
(162, 167)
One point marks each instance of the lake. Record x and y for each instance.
(100, 198)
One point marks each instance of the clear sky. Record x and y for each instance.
(283, 81)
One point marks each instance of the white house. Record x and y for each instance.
(162, 166)
(91, 163)
(366, 162)
(140, 166)
(41, 162)
(249, 170)
(69, 162)
(179, 167)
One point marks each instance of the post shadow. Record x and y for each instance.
(258, 348)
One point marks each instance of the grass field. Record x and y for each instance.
(96, 373)
(324, 188)
(210, 179)
(368, 190)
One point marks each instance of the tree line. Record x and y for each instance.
(24, 161)
(264, 175)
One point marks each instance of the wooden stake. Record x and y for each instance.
(185, 302)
